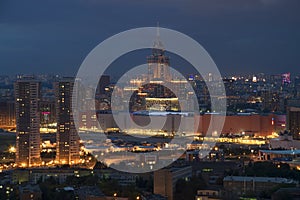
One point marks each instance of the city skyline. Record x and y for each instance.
(149, 100)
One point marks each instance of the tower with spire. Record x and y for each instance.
(158, 62)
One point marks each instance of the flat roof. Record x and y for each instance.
(161, 113)
(281, 152)
(257, 179)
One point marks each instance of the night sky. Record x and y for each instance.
(242, 36)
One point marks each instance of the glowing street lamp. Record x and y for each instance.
(12, 149)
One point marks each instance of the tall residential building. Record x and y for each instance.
(67, 139)
(293, 122)
(27, 96)
(7, 115)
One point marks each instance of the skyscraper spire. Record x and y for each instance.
(157, 30)
(157, 43)
(158, 62)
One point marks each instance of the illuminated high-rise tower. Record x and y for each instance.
(27, 96)
(67, 139)
(159, 97)
(158, 62)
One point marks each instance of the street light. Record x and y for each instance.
(12, 149)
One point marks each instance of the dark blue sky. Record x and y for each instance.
(242, 36)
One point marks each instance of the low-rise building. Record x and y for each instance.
(30, 192)
(241, 185)
(41, 174)
(89, 193)
(279, 155)
(59, 174)
(165, 180)
(208, 194)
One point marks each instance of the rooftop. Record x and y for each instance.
(258, 179)
(281, 152)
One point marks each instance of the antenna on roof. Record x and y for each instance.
(157, 43)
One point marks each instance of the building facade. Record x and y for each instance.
(7, 115)
(67, 139)
(165, 180)
(27, 96)
(293, 122)
(241, 185)
(245, 124)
